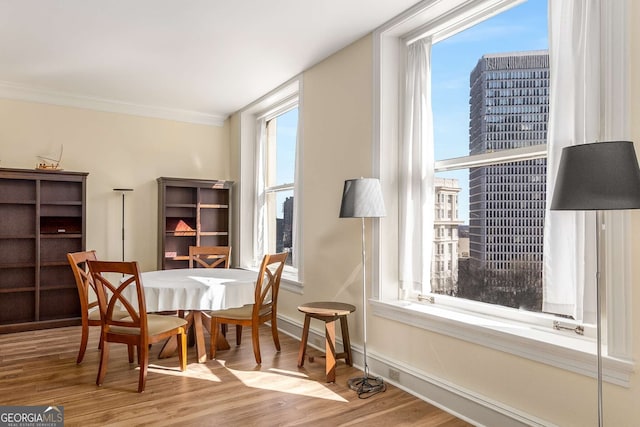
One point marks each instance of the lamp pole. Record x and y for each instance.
(123, 191)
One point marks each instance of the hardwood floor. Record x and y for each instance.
(38, 368)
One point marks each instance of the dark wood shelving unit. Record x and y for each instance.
(191, 212)
(42, 218)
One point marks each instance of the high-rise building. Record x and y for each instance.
(287, 227)
(444, 267)
(509, 108)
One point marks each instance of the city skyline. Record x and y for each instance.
(522, 28)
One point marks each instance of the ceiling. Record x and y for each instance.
(192, 60)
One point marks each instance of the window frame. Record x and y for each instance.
(270, 105)
(526, 334)
(288, 104)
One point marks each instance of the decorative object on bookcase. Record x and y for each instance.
(123, 191)
(191, 212)
(362, 198)
(43, 219)
(48, 163)
(598, 177)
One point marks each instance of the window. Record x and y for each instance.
(279, 168)
(495, 169)
(480, 119)
(270, 196)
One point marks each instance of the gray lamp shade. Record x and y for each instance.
(597, 176)
(362, 198)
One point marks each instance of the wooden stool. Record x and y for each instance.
(328, 312)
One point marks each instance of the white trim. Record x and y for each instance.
(464, 404)
(277, 188)
(291, 284)
(495, 157)
(458, 19)
(24, 93)
(283, 106)
(565, 350)
(299, 195)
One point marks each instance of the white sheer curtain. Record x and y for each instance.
(297, 199)
(416, 196)
(582, 74)
(260, 219)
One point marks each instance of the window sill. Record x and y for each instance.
(559, 349)
(291, 284)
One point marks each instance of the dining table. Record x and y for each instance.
(192, 291)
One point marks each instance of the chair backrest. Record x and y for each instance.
(209, 256)
(111, 278)
(78, 263)
(268, 283)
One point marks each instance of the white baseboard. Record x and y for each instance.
(464, 404)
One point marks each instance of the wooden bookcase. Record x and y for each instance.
(191, 212)
(42, 217)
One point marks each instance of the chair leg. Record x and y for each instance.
(83, 341)
(238, 334)
(130, 353)
(215, 330)
(143, 355)
(303, 341)
(104, 361)
(274, 333)
(346, 342)
(255, 337)
(182, 345)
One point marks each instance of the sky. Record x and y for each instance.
(286, 137)
(521, 28)
(286, 132)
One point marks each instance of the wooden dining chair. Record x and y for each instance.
(209, 256)
(88, 301)
(139, 329)
(264, 308)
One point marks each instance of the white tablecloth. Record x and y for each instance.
(196, 289)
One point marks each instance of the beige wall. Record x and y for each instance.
(118, 151)
(337, 122)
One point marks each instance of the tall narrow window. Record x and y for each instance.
(493, 83)
(279, 181)
(270, 191)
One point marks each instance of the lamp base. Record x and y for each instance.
(367, 386)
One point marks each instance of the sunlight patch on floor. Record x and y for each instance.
(292, 373)
(272, 379)
(195, 370)
(286, 382)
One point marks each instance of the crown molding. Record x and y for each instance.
(10, 90)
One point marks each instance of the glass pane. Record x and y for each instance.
(481, 83)
(494, 254)
(489, 93)
(286, 126)
(280, 215)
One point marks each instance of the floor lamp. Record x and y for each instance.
(599, 176)
(123, 191)
(362, 198)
